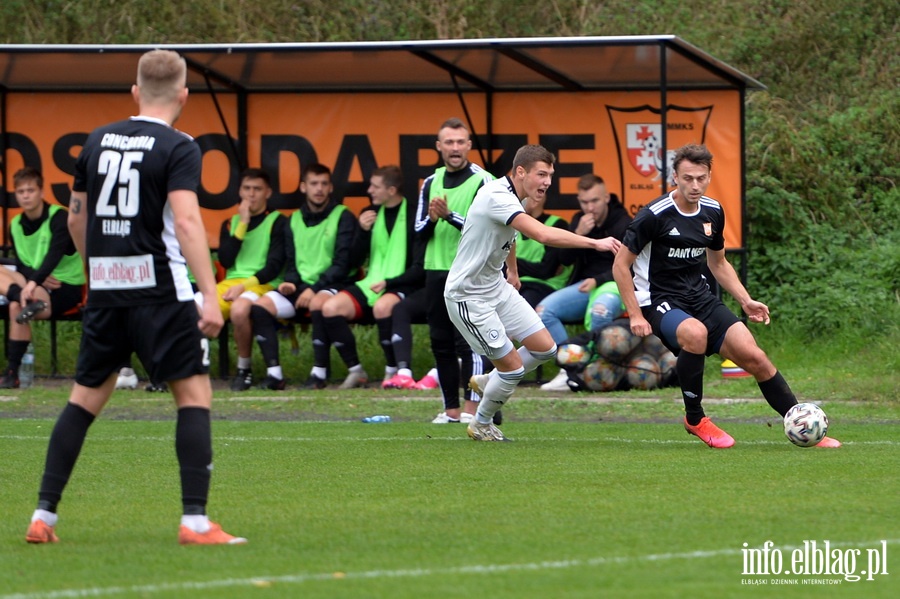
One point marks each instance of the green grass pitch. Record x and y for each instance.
(408, 509)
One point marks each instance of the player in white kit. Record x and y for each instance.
(484, 304)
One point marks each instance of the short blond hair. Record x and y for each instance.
(161, 75)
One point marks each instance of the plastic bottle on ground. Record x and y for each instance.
(26, 370)
(378, 418)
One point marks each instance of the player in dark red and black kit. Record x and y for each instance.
(659, 272)
(135, 217)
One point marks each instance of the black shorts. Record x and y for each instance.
(165, 338)
(363, 312)
(65, 298)
(712, 313)
(303, 315)
(415, 306)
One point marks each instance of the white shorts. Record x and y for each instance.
(488, 326)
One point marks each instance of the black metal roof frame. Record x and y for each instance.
(485, 65)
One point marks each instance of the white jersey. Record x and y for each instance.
(485, 243)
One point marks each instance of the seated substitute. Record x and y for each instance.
(387, 236)
(48, 279)
(602, 216)
(318, 245)
(252, 251)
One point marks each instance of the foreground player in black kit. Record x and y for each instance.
(666, 247)
(135, 218)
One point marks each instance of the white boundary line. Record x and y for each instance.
(267, 581)
(246, 439)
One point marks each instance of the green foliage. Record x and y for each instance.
(823, 203)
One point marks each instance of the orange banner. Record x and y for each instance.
(616, 135)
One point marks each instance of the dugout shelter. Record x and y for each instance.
(615, 106)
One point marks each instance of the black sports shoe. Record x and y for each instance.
(314, 382)
(243, 380)
(10, 379)
(157, 387)
(270, 382)
(30, 310)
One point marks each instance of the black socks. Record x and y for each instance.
(689, 368)
(66, 441)
(193, 446)
(778, 393)
(384, 339)
(320, 341)
(266, 333)
(338, 330)
(15, 351)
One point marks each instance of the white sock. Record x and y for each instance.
(48, 517)
(499, 388)
(531, 360)
(433, 374)
(243, 363)
(275, 371)
(319, 372)
(196, 523)
(124, 372)
(358, 369)
(405, 372)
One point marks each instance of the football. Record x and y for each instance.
(572, 354)
(601, 375)
(653, 346)
(667, 363)
(643, 372)
(616, 342)
(805, 424)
